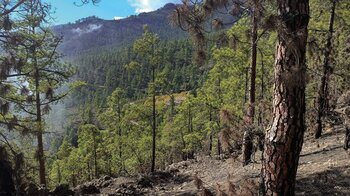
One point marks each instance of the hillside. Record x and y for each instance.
(323, 170)
(244, 98)
(93, 33)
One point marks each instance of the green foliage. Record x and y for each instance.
(77, 84)
(339, 57)
(36, 81)
(148, 47)
(64, 149)
(123, 68)
(76, 165)
(196, 107)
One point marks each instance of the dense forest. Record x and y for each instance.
(248, 81)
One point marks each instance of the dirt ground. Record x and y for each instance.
(324, 169)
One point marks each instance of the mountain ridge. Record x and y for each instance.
(93, 33)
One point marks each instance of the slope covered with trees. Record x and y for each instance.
(196, 109)
(148, 100)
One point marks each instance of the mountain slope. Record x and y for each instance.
(93, 33)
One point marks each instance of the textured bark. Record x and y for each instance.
(247, 140)
(284, 139)
(323, 105)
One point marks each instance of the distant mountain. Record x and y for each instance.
(94, 33)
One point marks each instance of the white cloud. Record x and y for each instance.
(88, 29)
(93, 27)
(118, 17)
(144, 5)
(149, 5)
(77, 30)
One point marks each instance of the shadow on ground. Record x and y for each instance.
(334, 181)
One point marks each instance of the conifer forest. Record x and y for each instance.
(178, 97)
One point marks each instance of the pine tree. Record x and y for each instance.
(191, 16)
(10, 67)
(148, 49)
(41, 75)
(323, 91)
(112, 119)
(255, 10)
(88, 138)
(284, 140)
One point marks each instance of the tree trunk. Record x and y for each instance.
(59, 173)
(109, 165)
(246, 86)
(347, 138)
(218, 146)
(323, 102)
(95, 154)
(40, 152)
(154, 122)
(190, 155)
(218, 114)
(247, 148)
(39, 134)
(284, 140)
(120, 137)
(251, 106)
(247, 140)
(7, 185)
(261, 112)
(89, 170)
(211, 134)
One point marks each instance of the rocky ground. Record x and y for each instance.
(324, 169)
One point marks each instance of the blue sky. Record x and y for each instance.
(66, 11)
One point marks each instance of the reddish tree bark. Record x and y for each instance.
(284, 140)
